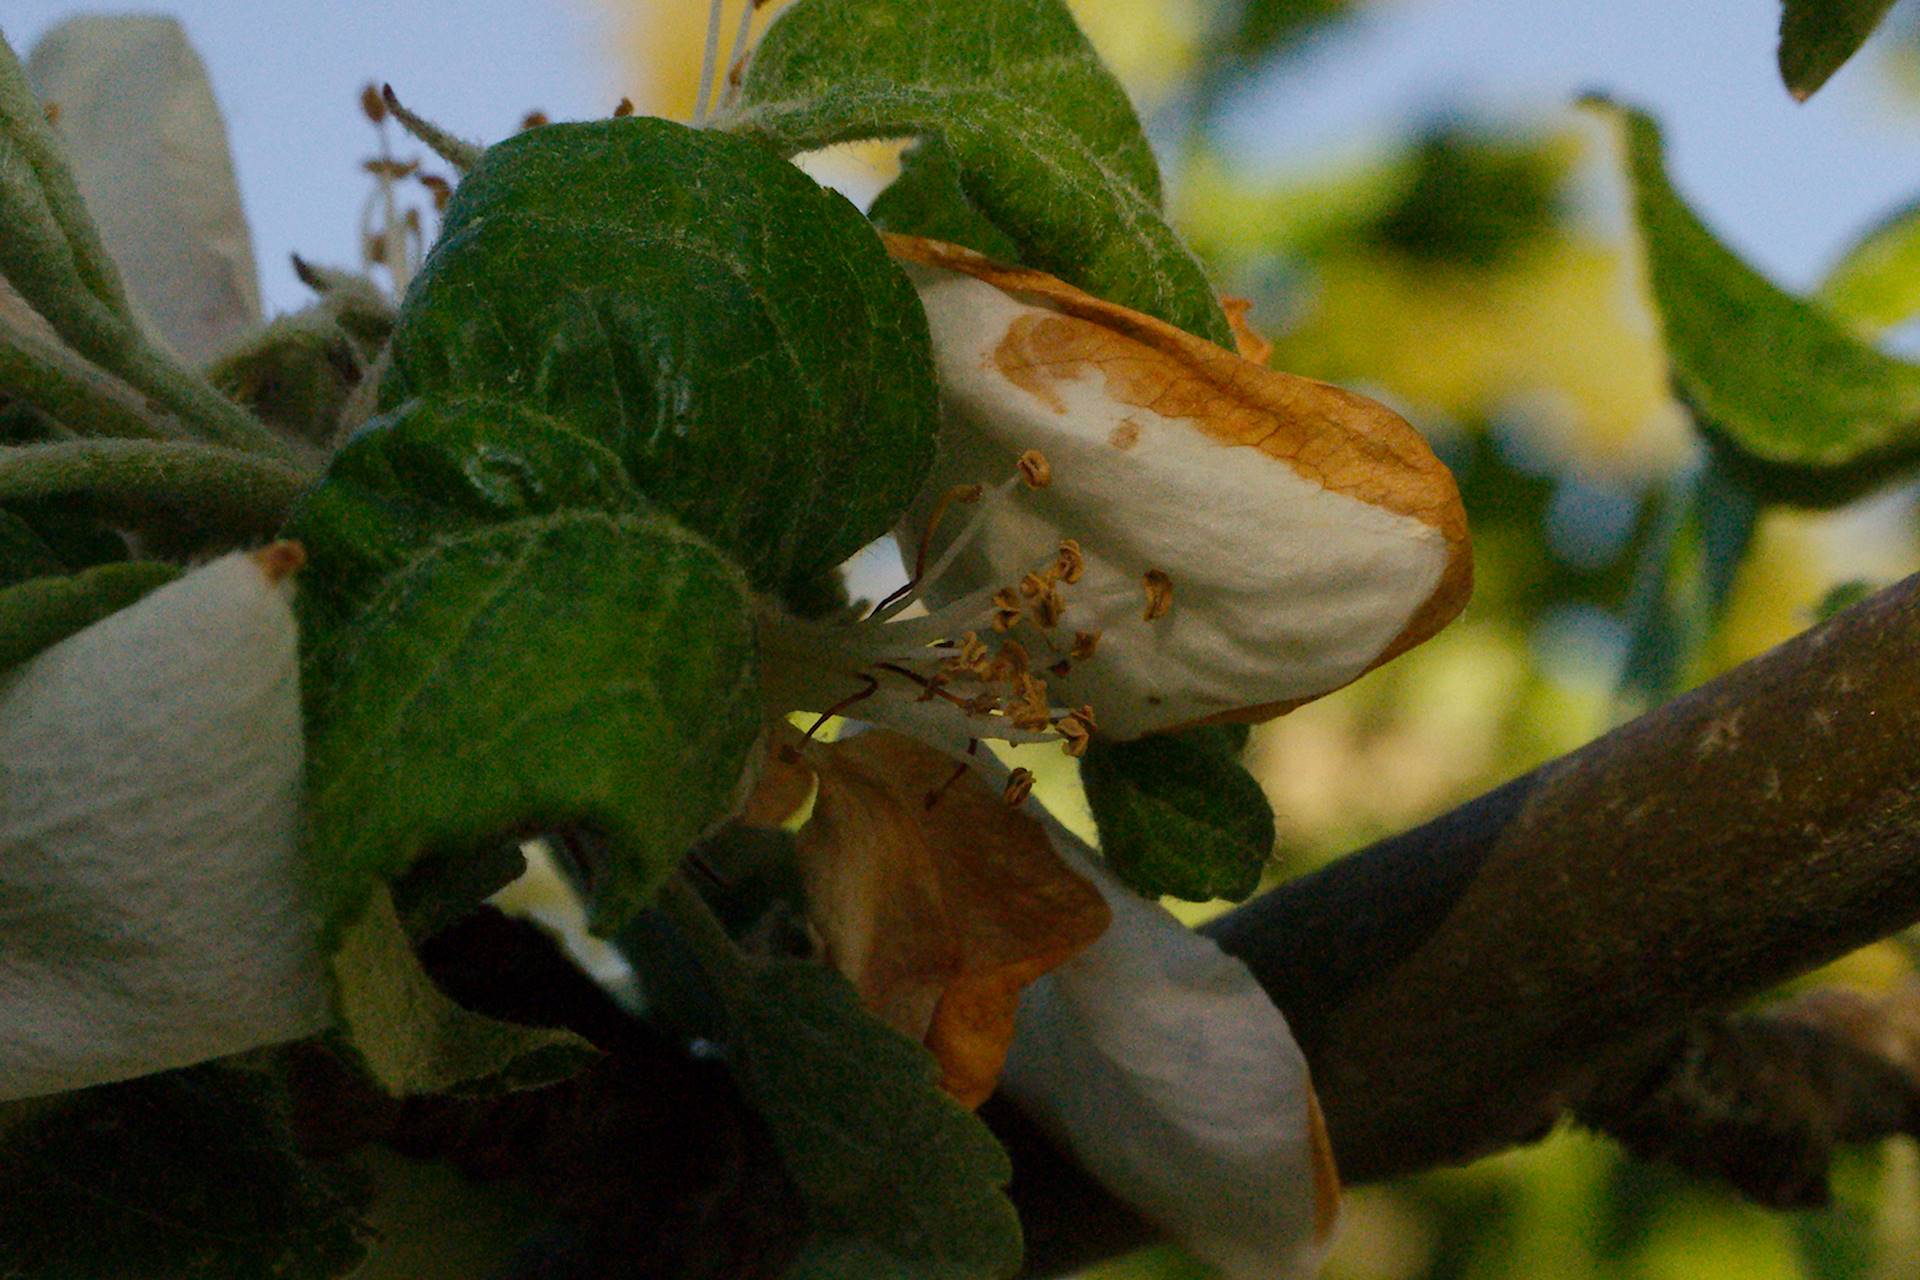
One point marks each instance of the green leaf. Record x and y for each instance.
(412, 1038)
(898, 1178)
(1843, 596)
(1782, 381)
(186, 1175)
(928, 200)
(1818, 36)
(1046, 144)
(1472, 200)
(43, 611)
(24, 554)
(564, 669)
(436, 468)
(1267, 27)
(1179, 815)
(734, 333)
(1704, 529)
(1876, 284)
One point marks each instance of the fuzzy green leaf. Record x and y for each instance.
(499, 637)
(44, 611)
(411, 1038)
(186, 1175)
(1179, 815)
(899, 1180)
(1046, 144)
(24, 554)
(1876, 283)
(1780, 379)
(1818, 36)
(928, 200)
(733, 332)
(1267, 27)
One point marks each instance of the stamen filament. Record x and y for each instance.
(707, 63)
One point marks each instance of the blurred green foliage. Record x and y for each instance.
(1475, 275)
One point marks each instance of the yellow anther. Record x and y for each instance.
(1006, 609)
(1029, 709)
(1033, 586)
(1019, 787)
(1048, 609)
(1159, 594)
(1069, 564)
(1035, 469)
(1084, 643)
(1010, 663)
(1075, 732)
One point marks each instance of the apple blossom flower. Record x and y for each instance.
(153, 911)
(1132, 530)
(1159, 1063)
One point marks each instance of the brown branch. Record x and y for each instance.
(1762, 1099)
(1457, 987)
(1460, 987)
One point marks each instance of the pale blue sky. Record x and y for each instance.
(1785, 183)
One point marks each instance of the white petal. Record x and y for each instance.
(149, 152)
(1162, 1066)
(1294, 569)
(152, 912)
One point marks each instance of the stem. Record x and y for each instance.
(26, 134)
(51, 252)
(75, 393)
(219, 488)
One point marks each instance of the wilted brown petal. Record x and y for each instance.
(938, 915)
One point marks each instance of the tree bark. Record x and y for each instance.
(1460, 987)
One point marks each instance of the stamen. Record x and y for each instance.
(1077, 729)
(1006, 609)
(1019, 787)
(1035, 469)
(1030, 709)
(623, 108)
(873, 687)
(959, 772)
(707, 63)
(1084, 643)
(1069, 564)
(1159, 594)
(904, 592)
(737, 55)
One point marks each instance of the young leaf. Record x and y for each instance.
(899, 1180)
(1045, 142)
(928, 200)
(45, 610)
(1876, 283)
(577, 669)
(188, 1175)
(733, 332)
(1179, 815)
(1818, 36)
(1780, 379)
(411, 1038)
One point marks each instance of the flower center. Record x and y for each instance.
(972, 669)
